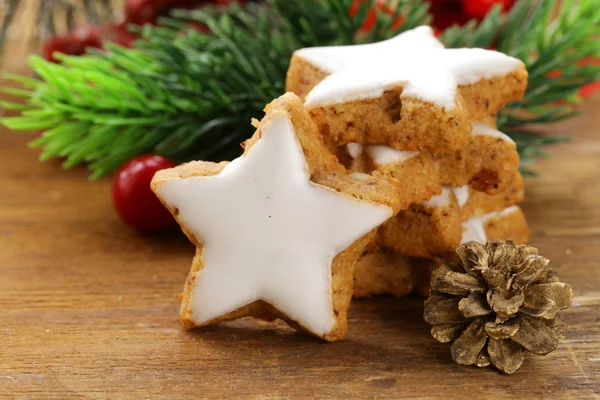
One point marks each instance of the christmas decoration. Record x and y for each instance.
(144, 11)
(60, 44)
(119, 34)
(497, 302)
(189, 96)
(277, 230)
(87, 36)
(135, 203)
(80, 39)
(446, 13)
(344, 184)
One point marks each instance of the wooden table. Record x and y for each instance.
(89, 308)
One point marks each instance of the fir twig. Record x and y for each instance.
(552, 49)
(189, 95)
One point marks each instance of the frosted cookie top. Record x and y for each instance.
(414, 60)
(481, 129)
(268, 232)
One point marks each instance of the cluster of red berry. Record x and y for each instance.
(137, 12)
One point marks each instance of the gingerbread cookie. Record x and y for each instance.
(426, 229)
(433, 228)
(473, 203)
(489, 163)
(277, 230)
(417, 173)
(386, 272)
(509, 223)
(383, 272)
(408, 92)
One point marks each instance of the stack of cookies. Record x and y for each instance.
(409, 109)
(384, 160)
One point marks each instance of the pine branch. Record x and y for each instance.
(189, 95)
(186, 96)
(552, 48)
(530, 146)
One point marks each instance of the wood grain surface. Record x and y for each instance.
(89, 308)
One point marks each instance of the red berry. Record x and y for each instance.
(369, 21)
(82, 37)
(447, 13)
(119, 34)
(141, 12)
(591, 60)
(554, 74)
(133, 199)
(61, 44)
(589, 89)
(479, 8)
(226, 2)
(354, 8)
(198, 27)
(87, 36)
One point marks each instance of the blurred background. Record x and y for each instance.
(69, 26)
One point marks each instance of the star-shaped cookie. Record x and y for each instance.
(489, 163)
(408, 92)
(279, 229)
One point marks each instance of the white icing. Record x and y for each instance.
(500, 214)
(354, 149)
(474, 229)
(442, 199)
(382, 155)
(480, 129)
(269, 233)
(462, 195)
(414, 60)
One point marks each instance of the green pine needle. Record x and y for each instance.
(188, 95)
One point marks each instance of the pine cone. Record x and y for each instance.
(498, 301)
